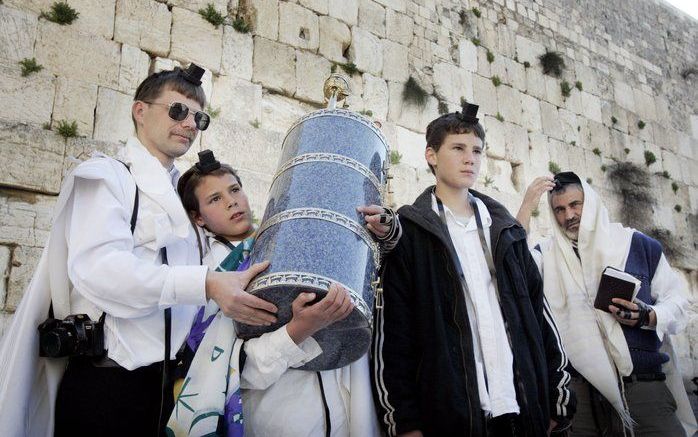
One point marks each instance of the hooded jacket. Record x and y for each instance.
(423, 366)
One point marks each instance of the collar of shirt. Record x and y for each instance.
(470, 224)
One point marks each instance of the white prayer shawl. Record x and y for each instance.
(593, 339)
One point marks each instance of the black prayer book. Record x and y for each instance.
(615, 283)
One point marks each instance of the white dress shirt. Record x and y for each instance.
(493, 356)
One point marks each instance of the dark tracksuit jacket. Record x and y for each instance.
(422, 364)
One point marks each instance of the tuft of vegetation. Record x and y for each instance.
(597, 151)
(589, 181)
(573, 143)
(46, 126)
(366, 112)
(649, 158)
(210, 14)
(633, 183)
(666, 174)
(490, 56)
(614, 120)
(413, 93)
(477, 12)
(240, 24)
(30, 66)
(255, 124)
(496, 81)
(333, 68)
(527, 64)
(463, 18)
(349, 68)
(578, 85)
(552, 63)
(674, 187)
(565, 88)
(443, 107)
(553, 167)
(67, 129)
(488, 181)
(60, 13)
(395, 157)
(535, 212)
(626, 150)
(475, 41)
(641, 124)
(499, 117)
(213, 112)
(677, 208)
(604, 168)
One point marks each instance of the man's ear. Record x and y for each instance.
(137, 110)
(430, 156)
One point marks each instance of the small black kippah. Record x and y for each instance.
(469, 113)
(565, 178)
(193, 74)
(207, 162)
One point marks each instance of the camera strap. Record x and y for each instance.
(168, 346)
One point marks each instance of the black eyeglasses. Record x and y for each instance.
(179, 111)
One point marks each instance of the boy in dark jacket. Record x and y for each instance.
(464, 341)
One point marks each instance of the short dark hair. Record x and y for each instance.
(151, 88)
(451, 124)
(564, 180)
(191, 179)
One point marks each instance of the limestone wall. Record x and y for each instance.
(635, 62)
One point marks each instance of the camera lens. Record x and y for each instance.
(58, 343)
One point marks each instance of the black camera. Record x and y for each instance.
(76, 335)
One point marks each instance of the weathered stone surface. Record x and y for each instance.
(516, 143)
(17, 34)
(25, 217)
(75, 100)
(345, 10)
(237, 100)
(366, 51)
(509, 103)
(113, 116)
(395, 61)
(5, 258)
(335, 38)
(80, 149)
(96, 17)
(311, 73)
(376, 96)
(550, 120)
(25, 99)
(298, 26)
(623, 94)
(407, 114)
(568, 121)
(535, 83)
(467, 55)
(237, 53)
(279, 112)
(279, 75)
(411, 146)
(451, 82)
(133, 69)
(495, 143)
(62, 51)
(32, 158)
(398, 5)
(319, 6)
(588, 77)
(399, 27)
(530, 116)
(145, 24)
(528, 50)
(162, 64)
(553, 92)
(484, 94)
(265, 18)
(645, 105)
(591, 107)
(24, 261)
(499, 173)
(195, 5)
(196, 40)
(372, 17)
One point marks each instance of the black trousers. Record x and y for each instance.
(112, 401)
(507, 425)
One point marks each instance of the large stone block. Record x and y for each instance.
(25, 217)
(535, 83)
(366, 51)
(516, 143)
(553, 92)
(376, 96)
(335, 38)
(645, 105)
(591, 107)
(311, 73)
(528, 50)
(265, 18)
(588, 77)
(530, 116)
(145, 24)
(24, 262)
(495, 142)
(467, 55)
(196, 40)
(550, 120)
(196, 5)
(568, 121)
(237, 100)
(75, 100)
(485, 95)
(279, 75)
(452, 83)
(399, 27)
(499, 174)
(32, 158)
(411, 146)
(63, 51)
(279, 112)
(509, 103)
(134, 67)
(538, 155)
(372, 17)
(298, 26)
(237, 53)
(80, 149)
(395, 61)
(398, 5)
(345, 10)
(113, 116)
(319, 6)
(96, 17)
(17, 34)
(25, 99)
(623, 94)
(408, 114)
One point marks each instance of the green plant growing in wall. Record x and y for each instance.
(674, 187)
(395, 157)
(46, 126)
(413, 93)
(649, 158)
(333, 68)
(589, 181)
(565, 88)
(443, 107)
(488, 181)
(666, 174)
(240, 24)
(213, 112)
(462, 17)
(626, 150)
(535, 212)
(677, 208)
(597, 151)
(614, 120)
(60, 13)
(366, 112)
(573, 143)
(552, 63)
(477, 12)
(349, 68)
(553, 167)
(499, 117)
(604, 168)
(210, 14)
(475, 41)
(67, 129)
(490, 56)
(527, 64)
(641, 124)
(30, 66)
(496, 81)
(578, 85)
(255, 124)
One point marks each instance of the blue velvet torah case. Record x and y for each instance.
(332, 161)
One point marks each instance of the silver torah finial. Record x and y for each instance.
(336, 89)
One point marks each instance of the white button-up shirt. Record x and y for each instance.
(493, 356)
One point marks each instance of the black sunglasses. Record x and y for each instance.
(179, 111)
